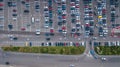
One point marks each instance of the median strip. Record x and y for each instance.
(66, 50)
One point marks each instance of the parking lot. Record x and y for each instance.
(69, 18)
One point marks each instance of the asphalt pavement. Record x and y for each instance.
(48, 60)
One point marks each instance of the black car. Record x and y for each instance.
(87, 28)
(60, 23)
(42, 44)
(10, 4)
(1, 0)
(1, 9)
(73, 30)
(37, 6)
(15, 38)
(47, 39)
(14, 14)
(10, 26)
(23, 2)
(73, 20)
(64, 21)
(100, 29)
(26, 11)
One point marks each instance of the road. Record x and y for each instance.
(46, 60)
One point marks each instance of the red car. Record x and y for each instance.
(63, 17)
(77, 44)
(1, 4)
(86, 6)
(51, 31)
(50, 8)
(77, 20)
(77, 6)
(75, 35)
(65, 44)
(14, 10)
(87, 24)
(104, 11)
(72, 3)
(90, 14)
(63, 28)
(23, 28)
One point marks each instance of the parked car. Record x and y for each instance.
(37, 32)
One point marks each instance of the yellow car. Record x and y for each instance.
(99, 16)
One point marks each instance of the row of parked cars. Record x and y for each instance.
(75, 18)
(88, 18)
(62, 15)
(1, 15)
(48, 16)
(63, 44)
(108, 43)
(113, 10)
(102, 18)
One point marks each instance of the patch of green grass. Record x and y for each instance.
(108, 50)
(65, 50)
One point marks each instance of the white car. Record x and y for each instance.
(32, 20)
(63, 0)
(77, 17)
(64, 12)
(37, 32)
(37, 20)
(46, 18)
(103, 59)
(15, 18)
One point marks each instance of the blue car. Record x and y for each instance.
(63, 7)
